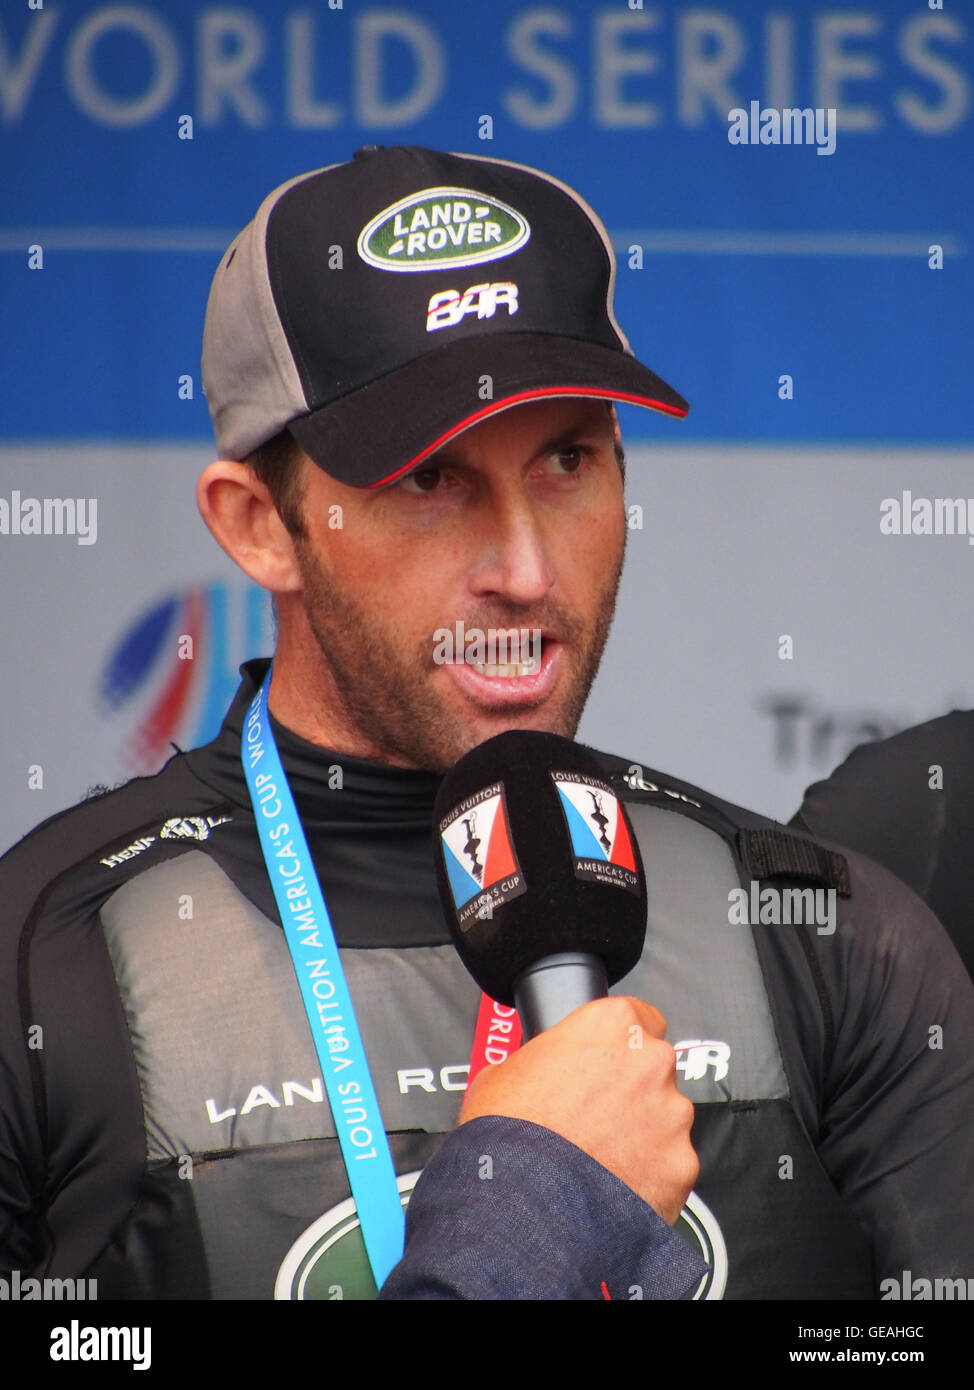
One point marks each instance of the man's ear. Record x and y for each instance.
(238, 510)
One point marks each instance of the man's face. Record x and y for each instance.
(519, 523)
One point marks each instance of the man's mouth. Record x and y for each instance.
(528, 680)
(526, 656)
(508, 672)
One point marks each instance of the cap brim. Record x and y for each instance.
(384, 430)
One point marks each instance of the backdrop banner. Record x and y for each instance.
(787, 187)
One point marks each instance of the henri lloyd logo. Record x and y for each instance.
(479, 856)
(191, 827)
(442, 226)
(600, 838)
(176, 828)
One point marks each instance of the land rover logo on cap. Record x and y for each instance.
(442, 226)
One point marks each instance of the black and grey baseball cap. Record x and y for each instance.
(379, 308)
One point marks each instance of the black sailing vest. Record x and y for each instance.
(244, 1193)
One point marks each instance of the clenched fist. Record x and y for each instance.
(603, 1078)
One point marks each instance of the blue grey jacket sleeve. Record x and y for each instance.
(508, 1210)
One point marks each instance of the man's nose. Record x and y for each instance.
(512, 555)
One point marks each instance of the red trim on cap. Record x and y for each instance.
(540, 394)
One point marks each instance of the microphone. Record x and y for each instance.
(539, 874)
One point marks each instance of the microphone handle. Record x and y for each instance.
(550, 989)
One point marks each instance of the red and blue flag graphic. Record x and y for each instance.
(479, 855)
(599, 834)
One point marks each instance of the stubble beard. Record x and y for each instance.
(388, 700)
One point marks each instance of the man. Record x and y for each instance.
(539, 1174)
(407, 359)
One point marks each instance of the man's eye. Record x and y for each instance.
(571, 459)
(426, 479)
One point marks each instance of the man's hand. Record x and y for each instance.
(604, 1079)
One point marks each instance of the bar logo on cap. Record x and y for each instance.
(442, 226)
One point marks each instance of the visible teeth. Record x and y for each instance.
(526, 668)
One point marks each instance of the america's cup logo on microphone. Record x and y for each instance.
(600, 820)
(473, 844)
(598, 831)
(479, 855)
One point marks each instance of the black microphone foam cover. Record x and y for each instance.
(535, 856)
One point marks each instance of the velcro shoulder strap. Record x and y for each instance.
(769, 853)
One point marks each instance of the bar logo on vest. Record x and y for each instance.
(696, 1056)
(442, 226)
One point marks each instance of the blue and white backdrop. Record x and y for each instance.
(812, 300)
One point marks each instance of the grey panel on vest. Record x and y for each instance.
(215, 1014)
(700, 971)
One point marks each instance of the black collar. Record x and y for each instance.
(327, 785)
